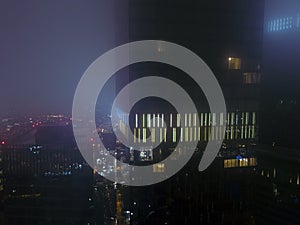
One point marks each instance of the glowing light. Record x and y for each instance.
(2, 142)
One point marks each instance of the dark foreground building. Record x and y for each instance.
(281, 56)
(227, 35)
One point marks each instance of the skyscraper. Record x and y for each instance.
(280, 100)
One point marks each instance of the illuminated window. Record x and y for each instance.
(221, 119)
(201, 120)
(212, 133)
(195, 119)
(139, 135)
(160, 135)
(251, 78)
(234, 63)
(153, 120)
(186, 134)
(181, 134)
(191, 134)
(247, 118)
(159, 168)
(136, 120)
(144, 135)
(214, 119)
(148, 120)
(134, 135)
(153, 134)
(174, 134)
(160, 46)
(178, 120)
(143, 120)
(205, 119)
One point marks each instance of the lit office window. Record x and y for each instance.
(185, 120)
(174, 134)
(139, 135)
(228, 119)
(190, 119)
(178, 120)
(171, 120)
(191, 134)
(253, 118)
(243, 162)
(249, 132)
(134, 135)
(252, 162)
(158, 168)
(234, 63)
(214, 119)
(162, 120)
(251, 78)
(148, 120)
(253, 132)
(160, 46)
(212, 134)
(144, 135)
(160, 135)
(181, 134)
(158, 119)
(242, 132)
(186, 134)
(195, 119)
(221, 119)
(136, 120)
(143, 122)
(153, 120)
(152, 135)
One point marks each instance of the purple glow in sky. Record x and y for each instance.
(45, 47)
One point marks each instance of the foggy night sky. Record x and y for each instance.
(45, 47)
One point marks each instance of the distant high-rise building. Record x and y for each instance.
(281, 56)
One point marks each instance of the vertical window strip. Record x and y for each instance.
(136, 120)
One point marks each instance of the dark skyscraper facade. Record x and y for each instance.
(281, 56)
(226, 35)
